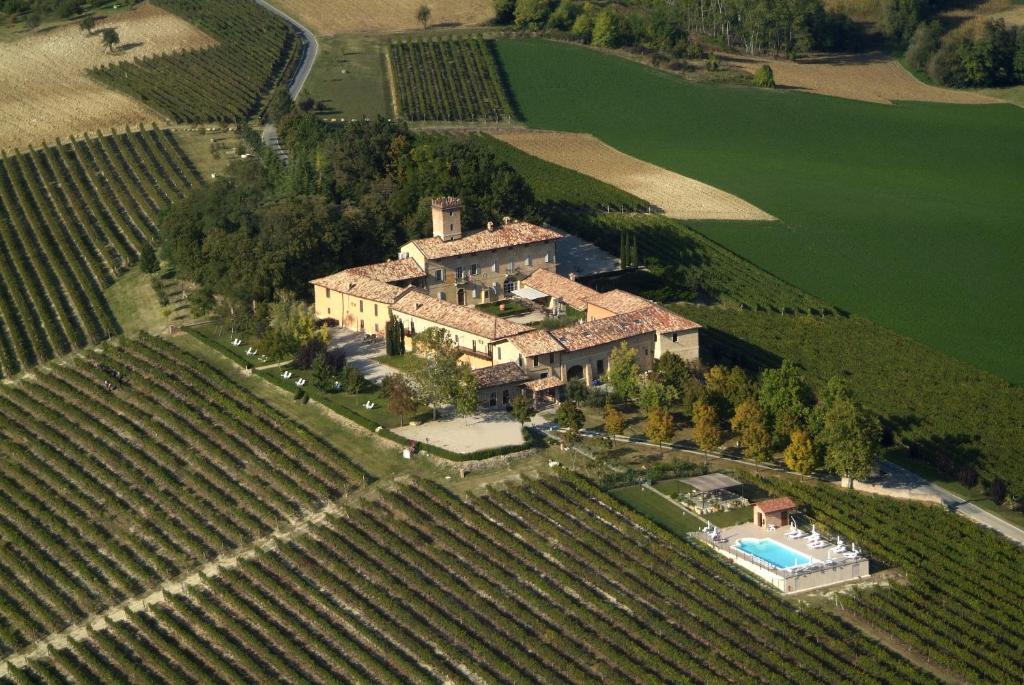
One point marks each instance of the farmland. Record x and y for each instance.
(907, 213)
(161, 465)
(222, 83)
(48, 93)
(385, 593)
(74, 217)
(452, 79)
(950, 414)
(959, 606)
(383, 16)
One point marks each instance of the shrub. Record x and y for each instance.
(764, 77)
(923, 44)
(997, 490)
(148, 261)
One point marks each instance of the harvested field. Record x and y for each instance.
(328, 17)
(47, 92)
(680, 197)
(872, 77)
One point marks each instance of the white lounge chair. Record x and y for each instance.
(286, 375)
(795, 533)
(853, 553)
(369, 405)
(818, 544)
(248, 350)
(771, 526)
(236, 342)
(301, 382)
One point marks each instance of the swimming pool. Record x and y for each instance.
(776, 554)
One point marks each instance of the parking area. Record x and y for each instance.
(361, 353)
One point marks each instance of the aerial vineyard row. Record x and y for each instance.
(159, 464)
(448, 80)
(227, 82)
(549, 582)
(961, 606)
(72, 218)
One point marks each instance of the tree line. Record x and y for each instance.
(681, 27)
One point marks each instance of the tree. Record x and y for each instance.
(923, 44)
(504, 11)
(110, 39)
(532, 14)
(800, 455)
(443, 379)
(851, 435)
(614, 421)
(570, 419)
(201, 301)
(781, 392)
(401, 395)
(148, 261)
(624, 371)
(394, 337)
(466, 399)
(764, 77)
(608, 29)
(423, 15)
(522, 409)
(87, 24)
(659, 426)
(656, 395)
(707, 427)
(577, 390)
(751, 425)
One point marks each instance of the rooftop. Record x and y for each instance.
(390, 271)
(771, 506)
(536, 342)
(360, 286)
(572, 293)
(711, 482)
(466, 319)
(619, 301)
(508, 235)
(501, 374)
(541, 384)
(602, 331)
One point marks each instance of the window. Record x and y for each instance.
(476, 293)
(473, 345)
(646, 352)
(547, 257)
(494, 267)
(600, 367)
(544, 375)
(474, 269)
(459, 273)
(362, 326)
(494, 399)
(442, 296)
(375, 309)
(439, 275)
(504, 397)
(456, 341)
(675, 337)
(521, 361)
(376, 328)
(499, 354)
(360, 306)
(551, 358)
(328, 311)
(529, 260)
(327, 292)
(536, 361)
(509, 287)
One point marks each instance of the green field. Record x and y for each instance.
(908, 214)
(350, 78)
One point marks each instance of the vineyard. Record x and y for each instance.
(158, 465)
(448, 80)
(961, 604)
(223, 83)
(74, 216)
(550, 582)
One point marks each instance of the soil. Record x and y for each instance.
(47, 92)
(678, 196)
(871, 77)
(329, 17)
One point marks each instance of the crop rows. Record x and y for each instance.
(72, 217)
(448, 80)
(961, 606)
(132, 466)
(551, 582)
(227, 82)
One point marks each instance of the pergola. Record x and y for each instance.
(709, 483)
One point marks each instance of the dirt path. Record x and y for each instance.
(175, 586)
(678, 196)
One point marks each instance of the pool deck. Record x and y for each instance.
(826, 569)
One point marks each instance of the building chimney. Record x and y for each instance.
(446, 213)
(490, 225)
(572, 276)
(506, 220)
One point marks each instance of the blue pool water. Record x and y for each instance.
(776, 554)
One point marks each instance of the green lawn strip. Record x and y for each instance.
(209, 335)
(733, 517)
(908, 214)
(506, 308)
(653, 506)
(134, 303)
(407, 363)
(350, 77)
(948, 412)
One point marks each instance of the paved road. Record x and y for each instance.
(310, 50)
(957, 503)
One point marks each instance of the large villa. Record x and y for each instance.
(441, 281)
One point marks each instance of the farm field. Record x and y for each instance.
(950, 414)
(383, 16)
(386, 593)
(907, 214)
(73, 218)
(48, 93)
(426, 71)
(350, 77)
(222, 83)
(677, 196)
(158, 465)
(958, 606)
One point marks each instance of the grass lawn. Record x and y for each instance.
(210, 151)
(504, 308)
(654, 507)
(908, 214)
(949, 412)
(724, 519)
(135, 305)
(350, 77)
(407, 362)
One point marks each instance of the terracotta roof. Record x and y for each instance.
(771, 506)
(601, 332)
(501, 374)
(572, 293)
(466, 319)
(545, 383)
(535, 342)
(509, 235)
(619, 301)
(665, 321)
(390, 271)
(360, 286)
